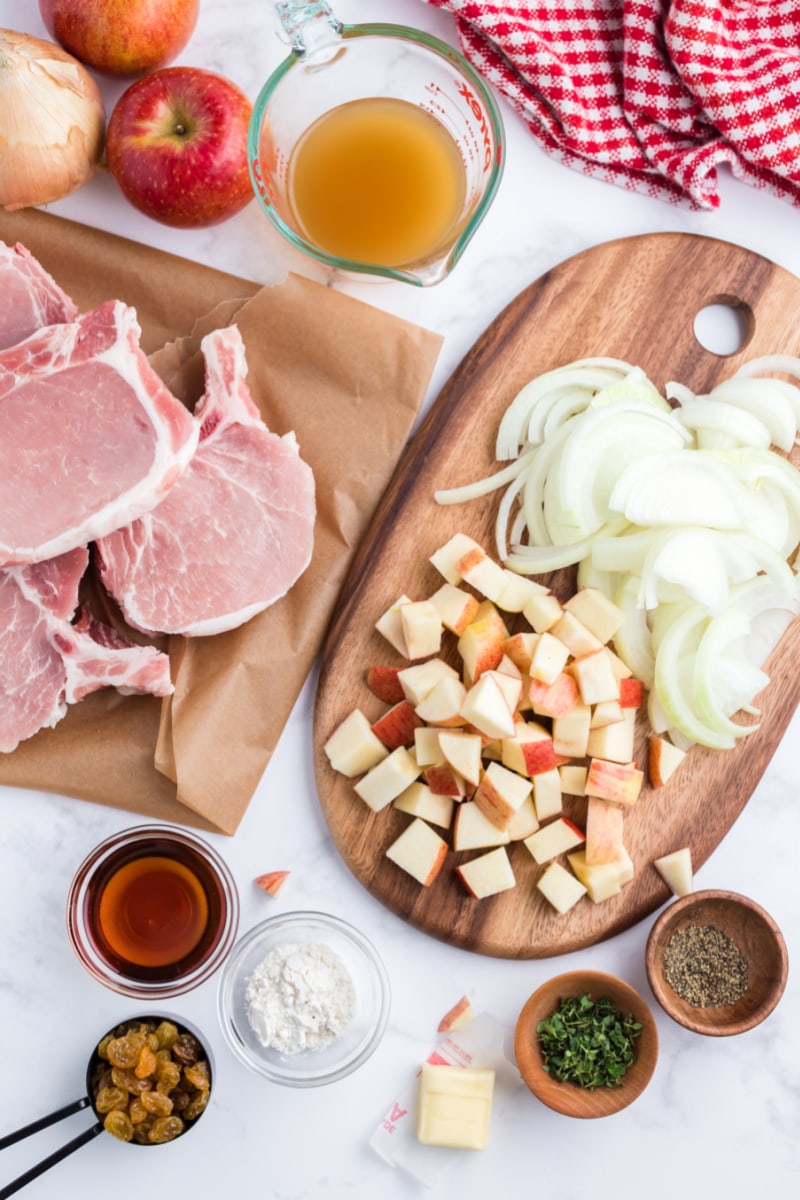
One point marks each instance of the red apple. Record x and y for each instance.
(177, 146)
(122, 37)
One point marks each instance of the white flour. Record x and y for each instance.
(300, 997)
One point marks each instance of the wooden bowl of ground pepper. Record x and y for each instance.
(586, 1044)
(716, 962)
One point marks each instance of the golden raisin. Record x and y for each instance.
(124, 1051)
(157, 1103)
(119, 1125)
(165, 1129)
(146, 1064)
(167, 1034)
(137, 1111)
(168, 1075)
(196, 1105)
(128, 1081)
(109, 1098)
(198, 1075)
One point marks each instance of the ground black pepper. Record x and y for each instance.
(704, 967)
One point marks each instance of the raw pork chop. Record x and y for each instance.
(29, 297)
(90, 438)
(234, 533)
(46, 663)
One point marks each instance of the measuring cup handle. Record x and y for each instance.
(56, 1157)
(42, 1123)
(307, 26)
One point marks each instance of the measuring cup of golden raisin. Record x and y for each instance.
(149, 1080)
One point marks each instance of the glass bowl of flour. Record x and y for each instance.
(304, 999)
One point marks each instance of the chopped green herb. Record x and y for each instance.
(588, 1042)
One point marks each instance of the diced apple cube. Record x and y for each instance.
(524, 822)
(419, 851)
(427, 750)
(554, 699)
(602, 880)
(594, 610)
(383, 682)
(604, 831)
(388, 779)
(444, 780)
(463, 751)
(457, 1016)
(573, 779)
(419, 680)
(482, 573)
(676, 870)
(272, 881)
(575, 636)
(530, 750)
(456, 608)
(542, 612)
(396, 727)
(507, 666)
(390, 626)
(631, 693)
(561, 889)
(442, 705)
(554, 839)
(473, 831)
(549, 658)
(620, 668)
(419, 801)
(607, 712)
(547, 794)
(595, 677)
(481, 646)
(510, 685)
(487, 875)
(620, 782)
(445, 558)
(662, 759)
(353, 748)
(500, 793)
(486, 707)
(614, 742)
(517, 590)
(422, 628)
(519, 648)
(571, 732)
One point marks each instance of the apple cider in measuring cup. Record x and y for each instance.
(377, 180)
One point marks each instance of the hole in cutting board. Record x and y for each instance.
(724, 326)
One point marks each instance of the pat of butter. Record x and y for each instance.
(455, 1106)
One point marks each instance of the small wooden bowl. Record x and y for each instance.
(757, 938)
(569, 1098)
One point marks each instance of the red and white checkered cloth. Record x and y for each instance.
(650, 94)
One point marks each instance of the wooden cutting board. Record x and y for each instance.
(634, 299)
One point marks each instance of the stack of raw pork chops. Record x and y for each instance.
(194, 522)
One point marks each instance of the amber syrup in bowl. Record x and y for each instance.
(152, 911)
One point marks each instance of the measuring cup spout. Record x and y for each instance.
(308, 27)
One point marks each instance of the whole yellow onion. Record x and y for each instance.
(52, 121)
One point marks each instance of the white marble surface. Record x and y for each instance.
(720, 1118)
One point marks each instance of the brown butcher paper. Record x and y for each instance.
(349, 380)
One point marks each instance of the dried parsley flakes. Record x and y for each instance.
(588, 1042)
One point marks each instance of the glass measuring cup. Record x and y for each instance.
(332, 65)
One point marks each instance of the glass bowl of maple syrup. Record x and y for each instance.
(152, 912)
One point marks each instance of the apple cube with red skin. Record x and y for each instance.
(419, 851)
(604, 831)
(631, 693)
(442, 706)
(459, 1015)
(396, 727)
(500, 793)
(663, 759)
(444, 780)
(561, 889)
(676, 870)
(485, 706)
(390, 626)
(176, 145)
(474, 831)
(422, 628)
(487, 875)
(118, 37)
(353, 748)
(519, 648)
(419, 680)
(482, 573)
(456, 608)
(619, 782)
(553, 839)
(554, 699)
(463, 751)
(388, 779)
(602, 880)
(595, 677)
(530, 750)
(272, 881)
(524, 821)
(446, 558)
(481, 646)
(547, 794)
(419, 801)
(596, 612)
(382, 681)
